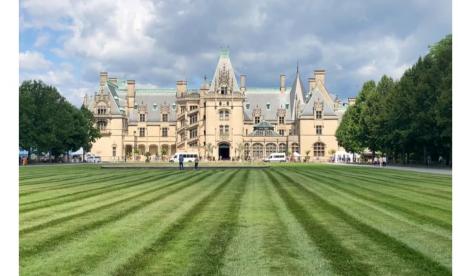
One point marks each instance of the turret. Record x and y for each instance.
(282, 84)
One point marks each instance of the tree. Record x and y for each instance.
(91, 133)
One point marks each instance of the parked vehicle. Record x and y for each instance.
(276, 157)
(188, 157)
(92, 158)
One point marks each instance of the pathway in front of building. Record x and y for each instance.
(414, 169)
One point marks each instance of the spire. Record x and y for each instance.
(297, 68)
(224, 74)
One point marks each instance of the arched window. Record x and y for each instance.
(101, 110)
(282, 148)
(270, 148)
(318, 149)
(258, 151)
(246, 151)
(295, 147)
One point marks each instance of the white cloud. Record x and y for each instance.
(33, 61)
(42, 40)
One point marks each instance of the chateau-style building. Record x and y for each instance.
(224, 119)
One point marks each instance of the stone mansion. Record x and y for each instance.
(223, 119)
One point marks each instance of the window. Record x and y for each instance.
(102, 110)
(247, 106)
(223, 90)
(183, 136)
(318, 114)
(165, 132)
(204, 117)
(192, 107)
(282, 132)
(268, 106)
(224, 115)
(287, 106)
(295, 147)
(319, 130)
(193, 119)
(142, 132)
(102, 125)
(256, 120)
(219, 104)
(142, 117)
(174, 106)
(246, 151)
(223, 129)
(281, 120)
(318, 149)
(282, 148)
(270, 148)
(193, 133)
(258, 151)
(114, 152)
(154, 106)
(165, 117)
(183, 109)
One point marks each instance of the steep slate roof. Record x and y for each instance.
(224, 63)
(260, 97)
(297, 93)
(317, 96)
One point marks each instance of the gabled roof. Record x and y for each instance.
(224, 66)
(318, 96)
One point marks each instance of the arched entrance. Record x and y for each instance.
(224, 151)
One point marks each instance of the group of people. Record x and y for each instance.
(181, 162)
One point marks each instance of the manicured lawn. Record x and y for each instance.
(297, 220)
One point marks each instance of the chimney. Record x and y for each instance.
(130, 94)
(282, 84)
(242, 83)
(181, 88)
(113, 80)
(351, 101)
(320, 75)
(103, 78)
(312, 83)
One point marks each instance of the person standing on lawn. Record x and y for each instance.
(180, 160)
(196, 163)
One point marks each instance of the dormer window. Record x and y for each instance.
(142, 117)
(247, 106)
(256, 120)
(223, 90)
(101, 110)
(287, 106)
(154, 106)
(318, 114)
(174, 106)
(268, 106)
(281, 120)
(165, 117)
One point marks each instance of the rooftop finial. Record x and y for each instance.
(297, 67)
(224, 52)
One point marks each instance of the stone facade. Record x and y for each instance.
(220, 120)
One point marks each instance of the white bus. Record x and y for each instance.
(187, 157)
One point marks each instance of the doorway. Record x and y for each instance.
(224, 151)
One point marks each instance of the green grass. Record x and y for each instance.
(293, 219)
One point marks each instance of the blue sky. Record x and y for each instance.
(67, 43)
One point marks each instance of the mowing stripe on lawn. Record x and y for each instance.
(413, 189)
(65, 236)
(136, 263)
(210, 261)
(431, 229)
(341, 259)
(72, 192)
(373, 198)
(90, 211)
(64, 177)
(71, 184)
(76, 196)
(403, 251)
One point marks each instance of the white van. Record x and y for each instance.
(187, 157)
(276, 157)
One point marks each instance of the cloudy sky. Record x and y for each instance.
(67, 43)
